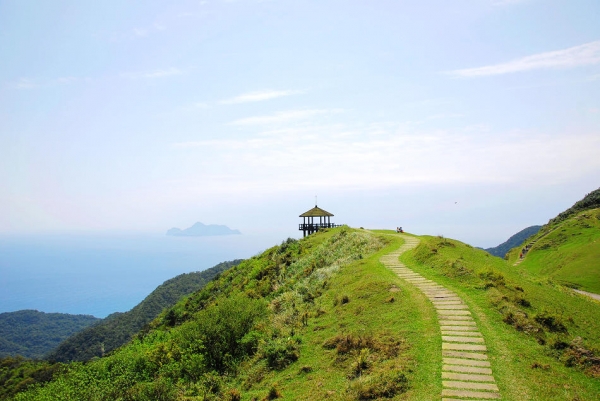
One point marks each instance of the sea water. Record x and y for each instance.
(101, 274)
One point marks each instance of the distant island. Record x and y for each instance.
(202, 230)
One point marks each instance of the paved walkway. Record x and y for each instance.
(589, 294)
(466, 371)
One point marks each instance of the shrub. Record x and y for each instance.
(223, 327)
(279, 352)
(550, 322)
(273, 393)
(387, 384)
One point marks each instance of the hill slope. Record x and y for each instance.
(33, 334)
(118, 328)
(567, 249)
(322, 318)
(542, 338)
(310, 319)
(514, 241)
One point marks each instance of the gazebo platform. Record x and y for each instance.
(309, 226)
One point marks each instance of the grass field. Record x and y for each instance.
(569, 253)
(536, 332)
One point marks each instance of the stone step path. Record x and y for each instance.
(466, 371)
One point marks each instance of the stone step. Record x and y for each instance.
(445, 302)
(458, 327)
(461, 333)
(484, 395)
(444, 317)
(463, 347)
(462, 339)
(466, 362)
(464, 355)
(437, 295)
(466, 369)
(470, 323)
(450, 307)
(454, 312)
(469, 385)
(467, 377)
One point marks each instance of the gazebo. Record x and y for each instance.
(309, 226)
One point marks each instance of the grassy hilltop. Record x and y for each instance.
(567, 249)
(322, 318)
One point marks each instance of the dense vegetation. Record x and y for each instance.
(18, 373)
(309, 319)
(590, 201)
(542, 337)
(514, 241)
(118, 328)
(32, 334)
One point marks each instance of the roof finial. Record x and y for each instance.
(315, 200)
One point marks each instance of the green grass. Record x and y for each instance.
(522, 350)
(400, 318)
(569, 253)
(322, 318)
(311, 319)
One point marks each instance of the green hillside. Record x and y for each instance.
(567, 249)
(32, 334)
(311, 319)
(118, 328)
(543, 338)
(323, 318)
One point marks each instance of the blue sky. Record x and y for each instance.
(469, 119)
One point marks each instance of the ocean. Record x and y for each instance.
(101, 274)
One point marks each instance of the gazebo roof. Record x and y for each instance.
(316, 212)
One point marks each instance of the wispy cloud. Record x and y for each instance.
(259, 96)
(28, 83)
(153, 74)
(24, 83)
(284, 116)
(585, 54)
(140, 32)
(297, 157)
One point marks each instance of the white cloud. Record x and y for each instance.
(259, 96)
(140, 32)
(153, 74)
(284, 116)
(25, 83)
(576, 56)
(372, 157)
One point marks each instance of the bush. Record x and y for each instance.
(550, 322)
(279, 352)
(223, 327)
(387, 384)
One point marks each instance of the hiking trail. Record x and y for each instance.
(466, 371)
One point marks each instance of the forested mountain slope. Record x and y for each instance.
(33, 334)
(118, 328)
